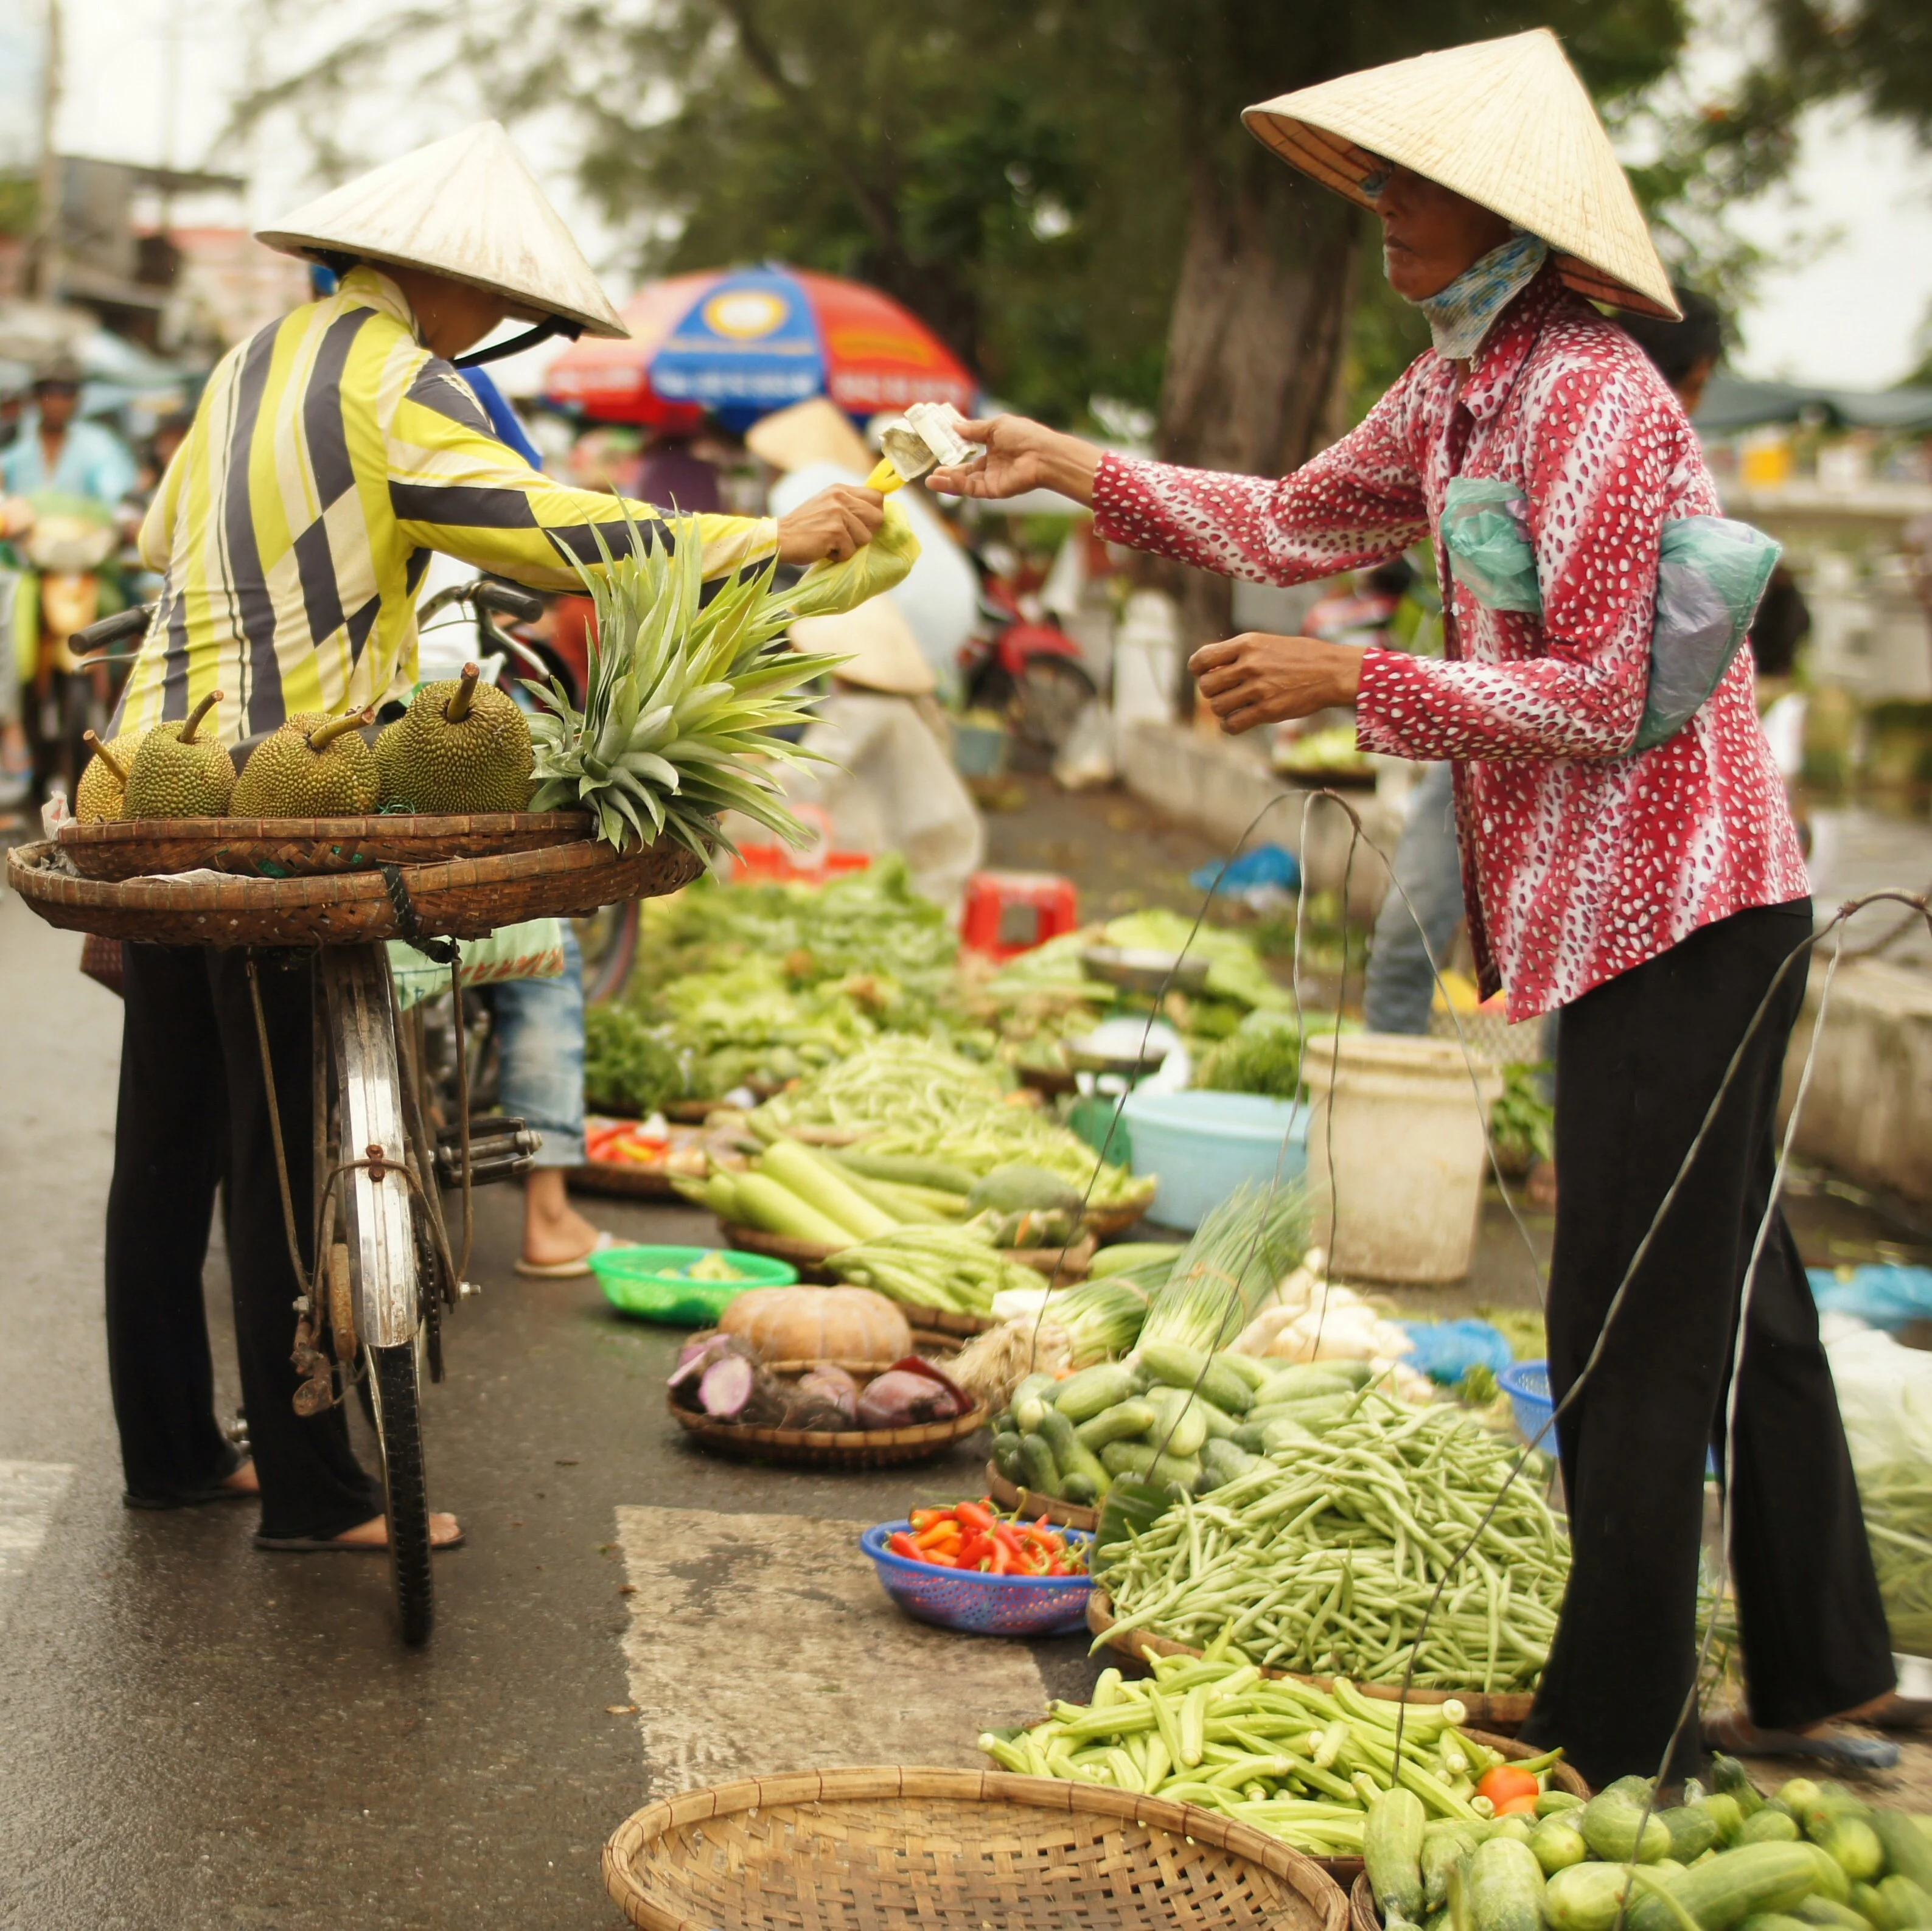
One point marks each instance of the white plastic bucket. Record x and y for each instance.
(1201, 1146)
(1408, 1154)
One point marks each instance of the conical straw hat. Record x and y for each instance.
(468, 207)
(883, 653)
(812, 431)
(1506, 123)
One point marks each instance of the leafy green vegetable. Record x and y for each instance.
(1523, 1123)
(627, 1068)
(1238, 1254)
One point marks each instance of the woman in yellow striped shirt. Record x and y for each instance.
(330, 452)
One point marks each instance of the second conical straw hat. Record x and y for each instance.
(468, 207)
(1506, 123)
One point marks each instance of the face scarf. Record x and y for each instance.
(1459, 315)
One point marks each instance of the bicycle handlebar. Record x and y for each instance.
(105, 632)
(509, 600)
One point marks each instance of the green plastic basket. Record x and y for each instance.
(644, 1282)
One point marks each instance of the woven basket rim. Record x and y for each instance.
(1031, 1502)
(368, 824)
(885, 1782)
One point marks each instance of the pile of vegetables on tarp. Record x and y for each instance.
(1813, 1855)
(1325, 1556)
(1302, 1763)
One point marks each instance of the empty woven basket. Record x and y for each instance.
(862, 1850)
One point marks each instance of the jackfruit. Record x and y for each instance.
(313, 766)
(102, 792)
(461, 747)
(177, 775)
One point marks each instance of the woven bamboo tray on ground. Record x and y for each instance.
(1031, 1502)
(465, 898)
(955, 1850)
(1504, 1713)
(627, 1180)
(303, 848)
(829, 1448)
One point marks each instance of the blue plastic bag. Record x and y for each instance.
(1881, 1296)
(1445, 1350)
(1266, 864)
(1711, 572)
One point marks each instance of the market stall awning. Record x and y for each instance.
(1731, 402)
(742, 342)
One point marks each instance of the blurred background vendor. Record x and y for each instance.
(889, 783)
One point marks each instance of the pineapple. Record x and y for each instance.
(684, 694)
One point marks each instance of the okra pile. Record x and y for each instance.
(1324, 1557)
(1302, 1763)
(1812, 1858)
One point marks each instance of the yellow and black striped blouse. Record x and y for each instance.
(331, 452)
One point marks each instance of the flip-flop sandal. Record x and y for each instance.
(311, 1545)
(198, 1498)
(1852, 1753)
(567, 1270)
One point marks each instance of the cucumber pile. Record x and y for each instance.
(1812, 1858)
(1170, 1413)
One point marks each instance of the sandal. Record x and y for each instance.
(196, 1498)
(317, 1544)
(567, 1270)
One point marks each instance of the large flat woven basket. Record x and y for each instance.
(864, 1850)
(829, 1448)
(300, 847)
(465, 898)
(1504, 1714)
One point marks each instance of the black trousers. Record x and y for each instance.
(193, 1113)
(1642, 1056)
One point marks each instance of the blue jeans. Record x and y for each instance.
(540, 1055)
(1429, 868)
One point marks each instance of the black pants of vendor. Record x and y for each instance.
(193, 1113)
(1642, 1056)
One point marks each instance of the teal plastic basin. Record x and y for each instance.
(1201, 1146)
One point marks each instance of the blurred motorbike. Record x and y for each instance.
(1028, 671)
(65, 553)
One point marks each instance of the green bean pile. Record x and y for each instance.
(1327, 1563)
(918, 1100)
(1897, 1500)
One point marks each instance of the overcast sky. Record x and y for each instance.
(1852, 315)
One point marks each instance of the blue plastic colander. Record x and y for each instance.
(981, 1605)
(1527, 1384)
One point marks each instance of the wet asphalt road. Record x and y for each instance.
(195, 1735)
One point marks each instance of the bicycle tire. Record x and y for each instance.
(398, 1413)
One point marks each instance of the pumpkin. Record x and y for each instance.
(851, 1324)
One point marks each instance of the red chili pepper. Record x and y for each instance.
(974, 1515)
(1002, 1562)
(900, 1543)
(924, 1518)
(1007, 1537)
(973, 1549)
(1043, 1540)
(943, 1530)
(939, 1557)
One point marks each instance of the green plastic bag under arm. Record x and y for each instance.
(1711, 574)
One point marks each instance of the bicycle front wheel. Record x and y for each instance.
(394, 1383)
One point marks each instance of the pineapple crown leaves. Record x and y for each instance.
(688, 685)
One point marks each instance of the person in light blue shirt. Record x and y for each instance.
(55, 450)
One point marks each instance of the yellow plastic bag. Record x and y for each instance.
(828, 589)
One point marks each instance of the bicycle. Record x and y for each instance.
(384, 1271)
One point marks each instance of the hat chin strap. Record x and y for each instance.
(554, 324)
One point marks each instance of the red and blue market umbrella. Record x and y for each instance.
(741, 343)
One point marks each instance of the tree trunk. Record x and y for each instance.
(1256, 344)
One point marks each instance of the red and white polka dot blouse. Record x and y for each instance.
(1581, 859)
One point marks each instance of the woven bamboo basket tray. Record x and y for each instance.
(1104, 1222)
(1504, 1713)
(1363, 1915)
(953, 1850)
(808, 1257)
(1030, 1502)
(625, 1179)
(465, 898)
(829, 1448)
(302, 847)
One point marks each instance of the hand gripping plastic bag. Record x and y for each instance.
(1711, 575)
(828, 589)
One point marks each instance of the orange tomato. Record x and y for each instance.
(1511, 1790)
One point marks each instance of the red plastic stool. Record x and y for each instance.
(1010, 912)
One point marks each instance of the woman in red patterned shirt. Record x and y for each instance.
(1636, 867)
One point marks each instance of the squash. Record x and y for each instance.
(852, 1325)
